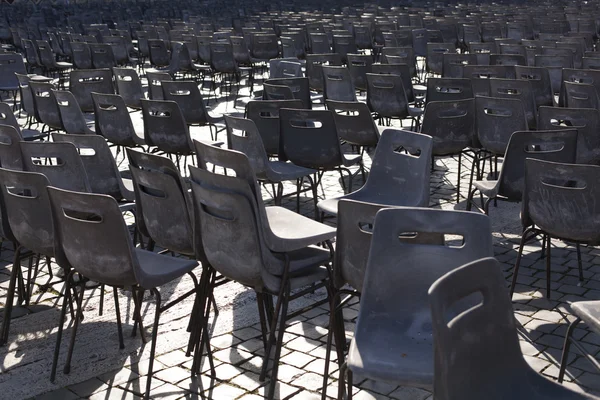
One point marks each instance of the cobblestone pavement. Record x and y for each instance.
(101, 371)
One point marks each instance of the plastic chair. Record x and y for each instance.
(558, 202)
(585, 120)
(540, 83)
(448, 89)
(10, 150)
(285, 68)
(82, 55)
(580, 95)
(554, 64)
(45, 107)
(394, 306)
(159, 54)
(82, 243)
(556, 146)
(344, 45)
(454, 63)
(309, 138)
(129, 86)
(83, 82)
(517, 89)
(155, 80)
(100, 167)
(465, 339)
(72, 118)
(435, 56)
(354, 123)
(298, 87)
(314, 71)
(414, 93)
(264, 47)
(451, 125)
(10, 65)
(59, 162)
(113, 121)
(8, 118)
(265, 114)
(386, 98)
(243, 136)
(48, 60)
(187, 96)
(337, 83)
(319, 43)
(396, 179)
(261, 261)
(496, 120)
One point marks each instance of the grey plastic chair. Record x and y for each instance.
(337, 83)
(496, 120)
(393, 335)
(155, 79)
(479, 75)
(451, 125)
(580, 95)
(100, 248)
(82, 55)
(298, 87)
(8, 118)
(11, 64)
(265, 254)
(73, 120)
(10, 148)
(46, 109)
(313, 68)
(129, 86)
(113, 121)
(550, 187)
(265, 114)
(386, 98)
(539, 78)
(403, 70)
(556, 145)
(85, 82)
(466, 339)
(396, 179)
(309, 138)
(189, 99)
(448, 89)
(453, 64)
(354, 123)
(243, 136)
(585, 120)
(28, 213)
(435, 56)
(517, 89)
(590, 77)
(359, 66)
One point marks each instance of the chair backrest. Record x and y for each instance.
(448, 89)
(539, 78)
(299, 88)
(590, 77)
(240, 50)
(222, 58)
(319, 43)
(265, 115)
(10, 149)
(46, 108)
(313, 68)
(585, 120)
(129, 86)
(554, 64)
(102, 55)
(451, 124)
(72, 118)
(159, 53)
(559, 199)
(11, 64)
(277, 92)
(59, 162)
(112, 119)
(165, 127)
(98, 162)
(394, 296)
(496, 120)
(264, 46)
(83, 82)
(508, 59)
(285, 68)
(187, 95)
(580, 95)
(517, 89)
(435, 56)
(28, 209)
(359, 66)
(453, 64)
(557, 146)
(25, 93)
(155, 80)
(243, 136)
(162, 203)
(337, 83)
(344, 45)
(309, 138)
(82, 55)
(354, 122)
(473, 322)
(92, 238)
(386, 95)
(403, 70)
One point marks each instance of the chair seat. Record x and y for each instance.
(292, 231)
(64, 64)
(351, 159)
(488, 188)
(39, 78)
(285, 171)
(377, 358)
(306, 267)
(415, 111)
(158, 269)
(589, 312)
(126, 206)
(32, 134)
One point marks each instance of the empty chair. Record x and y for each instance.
(83, 82)
(10, 158)
(187, 96)
(265, 114)
(539, 78)
(243, 136)
(121, 265)
(403, 70)
(496, 120)
(82, 55)
(11, 64)
(394, 306)
(557, 146)
(309, 138)
(448, 89)
(507, 59)
(264, 46)
(550, 187)
(159, 54)
(277, 92)
(580, 95)
(102, 55)
(337, 83)
(554, 65)
(72, 118)
(435, 56)
(314, 71)
(517, 89)
(155, 79)
(113, 121)
(453, 64)
(451, 125)
(8, 118)
(479, 75)
(46, 108)
(386, 98)
(344, 45)
(354, 123)
(285, 68)
(359, 66)
(396, 179)
(129, 86)
(468, 332)
(319, 43)
(48, 59)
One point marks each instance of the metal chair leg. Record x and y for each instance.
(61, 324)
(78, 318)
(524, 240)
(118, 312)
(548, 266)
(153, 343)
(565, 354)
